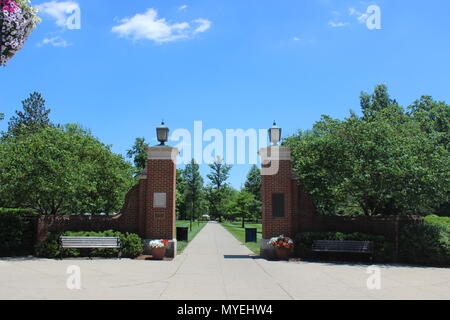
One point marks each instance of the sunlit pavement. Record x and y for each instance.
(215, 266)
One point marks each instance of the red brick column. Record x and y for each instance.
(160, 193)
(277, 182)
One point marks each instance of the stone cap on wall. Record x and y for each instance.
(162, 153)
(275, 153)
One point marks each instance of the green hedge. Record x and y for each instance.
(21, 212)
(16, 234)
(438, 221)
(383, 249)
(426, 244)
(132, 245)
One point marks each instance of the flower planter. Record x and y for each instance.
(283, 253)
(158, 253)
(284, 246)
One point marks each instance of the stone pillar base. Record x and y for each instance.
(171, 250)
(267, 251)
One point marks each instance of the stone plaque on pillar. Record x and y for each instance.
(160, 200)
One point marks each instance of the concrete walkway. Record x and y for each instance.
(215, 266)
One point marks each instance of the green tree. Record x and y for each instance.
(434, 119)
(245, 206)
(253, 182)
(218, 177)
(62, 171)
(383, 163)
(181, 209)
(229, 198)
(33, 118)
(193, 188)
(372, 105)
(138, 153)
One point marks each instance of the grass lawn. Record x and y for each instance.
(196, 227)
(235, 228)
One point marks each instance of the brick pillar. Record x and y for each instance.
(160, 195)
(277, 196)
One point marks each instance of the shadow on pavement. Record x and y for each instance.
(241, 257)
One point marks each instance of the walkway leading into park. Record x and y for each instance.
(215, 266)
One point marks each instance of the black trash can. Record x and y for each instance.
(182, 233)
(250, 234)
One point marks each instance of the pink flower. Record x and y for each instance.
(9, 5)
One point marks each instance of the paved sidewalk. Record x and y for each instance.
(215, 266)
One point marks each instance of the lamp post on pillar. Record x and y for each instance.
(276, 191)
(275, 134)
(162, 133)
(160, 199)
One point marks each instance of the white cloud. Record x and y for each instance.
(296, 39)
(335, 24)
(361, 17)
(58, 10)
(148, 26)
(183, 7)
(55, 42)
(203, 25)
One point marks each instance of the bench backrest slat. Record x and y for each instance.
(90, 242)
(342, 246)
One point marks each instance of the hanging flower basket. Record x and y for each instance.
(17, 20)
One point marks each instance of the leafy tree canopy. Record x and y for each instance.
(253, 182)
(62, 170)
(218, 177)
(193, 187)
(385, 162)
(138, 153)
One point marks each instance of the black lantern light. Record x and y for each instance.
(275, 134)
(162, 132)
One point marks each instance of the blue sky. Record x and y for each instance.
(230, 63)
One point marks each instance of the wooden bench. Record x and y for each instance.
(90, 243)
(344, 246)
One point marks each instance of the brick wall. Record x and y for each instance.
(300, 213)
(278, 183)
(160, 223)
(125, 221)
(138, 214)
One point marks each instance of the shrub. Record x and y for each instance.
(438, 221)
(132, 245)
(383, 249)
(425, 244)
(15, 233)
